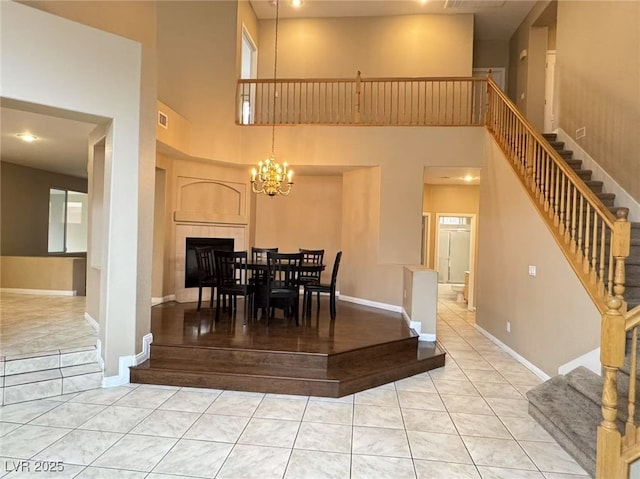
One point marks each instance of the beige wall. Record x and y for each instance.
(310, 218)
(66, 274)
(553, 319)
(598, 76)
(25, 207)
(490, 53)
(361, 275)
(408, 45)
(197, 65)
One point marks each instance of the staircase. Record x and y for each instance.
(569, 406)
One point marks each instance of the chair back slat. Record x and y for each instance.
(284, 270)
(231, 267)
(315, 257)
(205, 263)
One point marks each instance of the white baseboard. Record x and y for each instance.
(590, 360)
(44, 292)
(125, 362)
(610, 185)
(165, 299)
(417, 327)
(92, 322)
(530, 366)
(373, 304)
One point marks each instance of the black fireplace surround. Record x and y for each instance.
(191, 266)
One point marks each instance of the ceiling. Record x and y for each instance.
(494, 19)
(62, 144)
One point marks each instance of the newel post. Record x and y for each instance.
(609, 463)
(356, 118)
(612, 344)
(620, 246)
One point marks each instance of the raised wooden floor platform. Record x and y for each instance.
(364, 347)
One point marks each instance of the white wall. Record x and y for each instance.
(68, 66)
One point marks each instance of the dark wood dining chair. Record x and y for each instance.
(283, 288)
(206, 272)
(318, 288)
(259, 255)
(233, 280)
(311, 257)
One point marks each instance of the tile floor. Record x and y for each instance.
(466, 420)
(31, 323)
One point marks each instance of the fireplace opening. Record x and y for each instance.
(191, 266)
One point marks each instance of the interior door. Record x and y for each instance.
(459, 242)
(549, 82)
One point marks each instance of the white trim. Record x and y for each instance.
(610, 185)
(417, 327)
(92, 322)
(590, 360)
(164, 299)
(534, 369)
(47, 292)
(373, 304)
(99, 354)
(143, 355)
(125, 362)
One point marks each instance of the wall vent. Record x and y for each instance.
(163, 120)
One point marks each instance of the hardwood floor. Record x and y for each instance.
(364, 347)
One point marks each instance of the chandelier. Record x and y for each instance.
(271, 178)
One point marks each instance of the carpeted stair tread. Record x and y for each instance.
(594, 185)
(573, 163)
(589, 384)
(558, 145)
(550, 136)
(570, 418)
(566, 154)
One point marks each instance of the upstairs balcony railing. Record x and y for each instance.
(447, 101)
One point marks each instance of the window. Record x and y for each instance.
(67, 221)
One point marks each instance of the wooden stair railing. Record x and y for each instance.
(596, 242)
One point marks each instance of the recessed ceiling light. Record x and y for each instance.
(296, 3)
(27, 137)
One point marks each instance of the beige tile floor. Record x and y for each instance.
(466, 420)
(34, 323)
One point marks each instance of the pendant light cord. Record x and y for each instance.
(275, 86)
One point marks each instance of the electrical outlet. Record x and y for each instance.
(508, 326)
(532, 270)
(581, 132)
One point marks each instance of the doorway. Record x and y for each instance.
(248, 68)
(549, 82)
(453, 248)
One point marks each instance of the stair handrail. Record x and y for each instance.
(583, 227)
